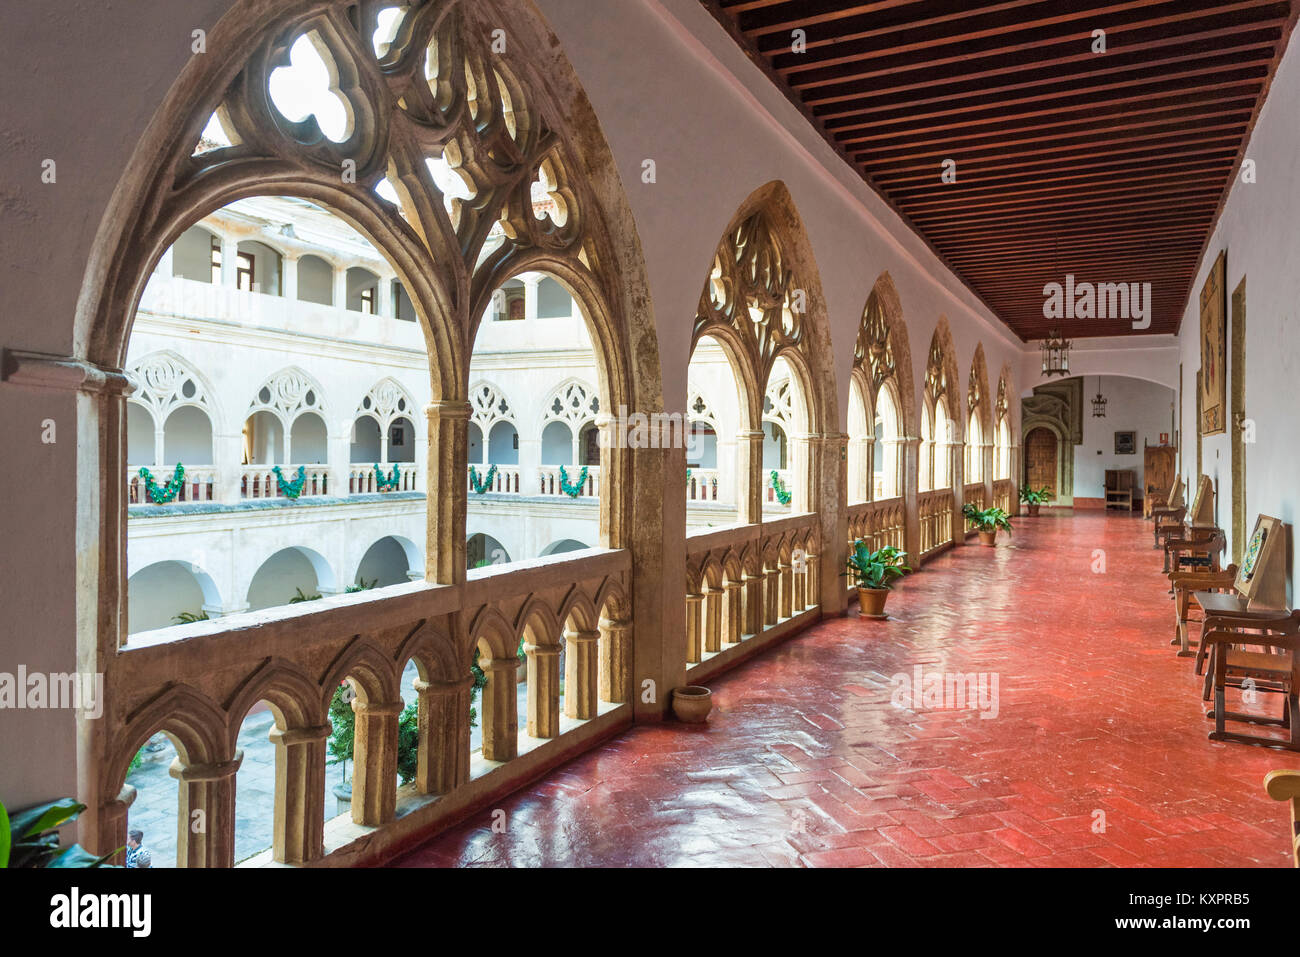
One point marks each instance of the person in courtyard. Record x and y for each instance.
(137, 855)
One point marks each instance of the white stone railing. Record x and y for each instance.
(200, 483)
(363, 481)
(259, 481)
(549, 480)
(505, 481)
(702, 485)
(770, 501)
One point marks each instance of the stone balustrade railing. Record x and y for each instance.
(550, 481)
(362, 479)
(1003, 495)
(972, 494)
(879, 523)
(200, 483)
(771, 501)
(260, 481)
(744, 581)
(702, 485)
(505, 480)
(935, 511)
(197, 683)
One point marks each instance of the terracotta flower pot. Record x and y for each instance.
(989, 538)
(871, 602)
(1033, 510)
(692, 704)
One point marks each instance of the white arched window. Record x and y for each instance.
(886, 481)
(974, 449)
(169, 417)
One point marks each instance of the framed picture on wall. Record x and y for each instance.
(1214, 349)
(1126, 443)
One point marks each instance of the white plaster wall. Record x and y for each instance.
(1258, 229)
(1132, 405)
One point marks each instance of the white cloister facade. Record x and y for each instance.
(272, 335)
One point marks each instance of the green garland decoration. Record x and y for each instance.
(168, 492)
(783, 495)
(390, 483)
(483, 486)
(290, 489)
(573, 491)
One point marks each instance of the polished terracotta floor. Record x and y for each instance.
(806, 762)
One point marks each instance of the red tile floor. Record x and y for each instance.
(806, 762)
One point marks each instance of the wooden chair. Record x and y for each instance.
(1184, 584)
(1167, 505)
(1285, 786)
(1119, 489)
(1252, 614)
(1258, 589)
(1273, 670)
(1193, 524)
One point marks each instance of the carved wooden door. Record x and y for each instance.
(1040, 459)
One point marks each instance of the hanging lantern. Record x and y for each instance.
(1099, 402)
(1056, 355)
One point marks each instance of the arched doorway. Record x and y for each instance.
(1041, 454)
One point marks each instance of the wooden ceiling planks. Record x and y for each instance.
(1112, 166)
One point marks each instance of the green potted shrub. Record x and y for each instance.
(988, 521)
(874, 574)
(1034, 498)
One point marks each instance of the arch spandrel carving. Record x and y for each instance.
(883, 353)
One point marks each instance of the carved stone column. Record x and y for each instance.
(205, 818)
(785, 583)
(749, 468)
(714, 599)
(299, 826)
(374, 768)
(500, 708)
(694, 644)
(444, 734)
(110, 827)
(446, 471)
(543, 690)
(581, 673)
(753, 612)
(771, 595)
(733, 609)
(910, 448)
(811, 579)
(615, 659)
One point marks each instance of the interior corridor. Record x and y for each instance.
(1096, 753)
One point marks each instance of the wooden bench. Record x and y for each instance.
(1285, 786)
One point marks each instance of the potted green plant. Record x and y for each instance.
(1034, 498)
(874, 573)
(988, 521)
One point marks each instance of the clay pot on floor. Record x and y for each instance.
(1033, 510)
(692, 704)
(989, 538)
(871, 602)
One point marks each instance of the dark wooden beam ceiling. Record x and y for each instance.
(1111, 166)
